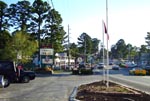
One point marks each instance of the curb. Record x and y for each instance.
(72, 96)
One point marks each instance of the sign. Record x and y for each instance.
(46, 46)
(44, 51)
(47, 61)
(79, 59)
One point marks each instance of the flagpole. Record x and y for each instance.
(107, 43)
(103, 51)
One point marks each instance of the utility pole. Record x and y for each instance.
(85, 48)
(68, 46)
(39, 46)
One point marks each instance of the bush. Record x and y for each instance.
(75, 72)
(86, 71)
(44, 70)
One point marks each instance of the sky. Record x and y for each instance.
(127, 19)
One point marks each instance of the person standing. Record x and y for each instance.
(19, 68)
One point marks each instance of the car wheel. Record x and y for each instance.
(25, 79)
(6, 82)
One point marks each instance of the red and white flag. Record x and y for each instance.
(105, 30)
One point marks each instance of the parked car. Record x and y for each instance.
(123, 65)
(13, 74)
(137, 71)
(75, 70)
(82, 65)
(115, 67)
(100, 66)
(83, 68)
(130, 64)
(111, 63)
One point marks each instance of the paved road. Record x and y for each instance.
(56, 87)
(139, 82)
(122, 76)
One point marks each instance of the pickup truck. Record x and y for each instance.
(12, 74)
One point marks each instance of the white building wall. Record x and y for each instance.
(62, 60)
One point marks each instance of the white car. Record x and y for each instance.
(100, 66)
(130, 64)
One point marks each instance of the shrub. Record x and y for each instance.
(44, 70)
(86, 71)
(75, 72)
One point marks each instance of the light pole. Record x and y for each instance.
(68, 47)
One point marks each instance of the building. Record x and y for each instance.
(63, 61)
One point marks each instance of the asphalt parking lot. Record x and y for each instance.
(56, 87)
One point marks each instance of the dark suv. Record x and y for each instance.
(13, 74)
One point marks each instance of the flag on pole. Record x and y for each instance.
(105, 30)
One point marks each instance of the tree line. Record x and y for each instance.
(26, 27)
(127, 51)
